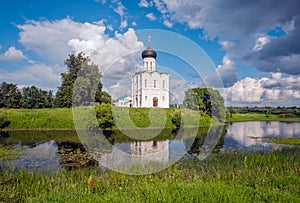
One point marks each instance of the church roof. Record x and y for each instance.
(149, 53)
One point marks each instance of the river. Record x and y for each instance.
(59, 150)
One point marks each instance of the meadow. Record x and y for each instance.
(228, 177)
(222, 177)
(62, 118)
(239, 117)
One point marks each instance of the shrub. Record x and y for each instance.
(4, 122)
(176, 119)
(104, 115)
(287, 115)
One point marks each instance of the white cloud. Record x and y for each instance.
(40, 75)
(178, 88)
(151, 16)
(57, 39)
(12, 54)
(124, 24)
(143, 3)
(272, 91)
(123, 50)
(161, 6)
(168, 23)
(261, 40)
(119, 9)
(49, 39)
(226, 72)
(246, 90)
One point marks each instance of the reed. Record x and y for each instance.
(228, 177)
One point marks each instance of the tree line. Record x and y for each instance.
(78, 70)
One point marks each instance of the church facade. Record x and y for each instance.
(150, 88)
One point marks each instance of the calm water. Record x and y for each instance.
(56, 150)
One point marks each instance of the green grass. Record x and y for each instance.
(62, 118)
(260, 117)
(56, 118)
(156, 118)
(230, 177)
(290, 141)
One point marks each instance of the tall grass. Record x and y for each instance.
(233, 177)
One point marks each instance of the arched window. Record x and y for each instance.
(163, 98)
(154, 84)
(145, 82)
(151, 65)
(163, 83)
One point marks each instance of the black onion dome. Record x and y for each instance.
(149, 53)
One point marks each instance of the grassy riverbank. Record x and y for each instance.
(62, 118)
(237, 117)
(56, 118)
(289, 141)
(233, 177)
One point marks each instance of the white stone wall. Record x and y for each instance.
(149, 64)
(149, 85)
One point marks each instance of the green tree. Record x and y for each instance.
(10, 96)
(81, 83)
(206, 100)
(102, 96)
(33, 97)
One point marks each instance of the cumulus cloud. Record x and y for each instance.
(41, 75)
(245, 26)
(12, 54)
(50, 39)
(151, 16)
(55, 40)
(177, 89)
(273, 91)
(225, 72)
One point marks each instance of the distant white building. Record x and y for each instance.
(124, 101)
(149, 87)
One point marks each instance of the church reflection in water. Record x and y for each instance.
(159, 150)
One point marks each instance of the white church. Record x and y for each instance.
(150, 88)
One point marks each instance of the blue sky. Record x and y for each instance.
(254, 46)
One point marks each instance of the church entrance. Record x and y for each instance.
(155, 102)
